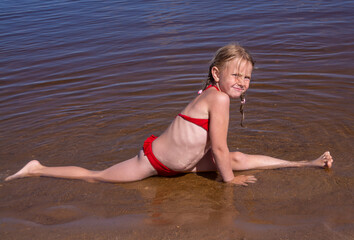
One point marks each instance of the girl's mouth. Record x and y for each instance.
(237, 87)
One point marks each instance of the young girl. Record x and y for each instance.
(196, 140)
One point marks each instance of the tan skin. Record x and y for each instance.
(186, 147)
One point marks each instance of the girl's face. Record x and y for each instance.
(234, 77)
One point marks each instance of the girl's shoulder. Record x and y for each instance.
(212, 100)
(216, 98)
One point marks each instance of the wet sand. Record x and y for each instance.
(84, 83)
(284, 204)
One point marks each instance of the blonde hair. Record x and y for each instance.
(222, 56)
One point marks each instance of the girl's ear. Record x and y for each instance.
(216, 73)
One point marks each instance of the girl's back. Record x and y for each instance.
(186, 142)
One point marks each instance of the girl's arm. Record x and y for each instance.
(218, 127)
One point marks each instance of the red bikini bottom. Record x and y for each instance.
(159, 167)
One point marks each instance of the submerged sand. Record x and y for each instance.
(283, 204)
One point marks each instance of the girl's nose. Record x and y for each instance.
(241, 81)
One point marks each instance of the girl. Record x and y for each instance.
(196, 140)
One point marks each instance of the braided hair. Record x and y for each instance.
(222, 56)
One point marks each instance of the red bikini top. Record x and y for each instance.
(204, 123)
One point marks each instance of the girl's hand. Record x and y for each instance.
(243, 180)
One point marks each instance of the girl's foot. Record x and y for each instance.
(324, 161)
(27, 171)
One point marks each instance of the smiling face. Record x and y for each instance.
(234, 77)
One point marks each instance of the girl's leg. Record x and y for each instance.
(241, 161)
(134, 169)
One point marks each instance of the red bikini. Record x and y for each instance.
(204, 123)
(159, 167)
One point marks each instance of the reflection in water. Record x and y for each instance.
(190, 202)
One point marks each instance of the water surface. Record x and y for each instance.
(85, 82)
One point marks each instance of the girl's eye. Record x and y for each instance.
(237, 75)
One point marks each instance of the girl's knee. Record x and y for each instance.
(93, 176)
(238, 160)
(237, 157)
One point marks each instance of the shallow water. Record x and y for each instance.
(85, 82)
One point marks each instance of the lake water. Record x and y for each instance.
(85, 82)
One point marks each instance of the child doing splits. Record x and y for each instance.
(196, 140)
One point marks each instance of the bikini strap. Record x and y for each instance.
(200, 91)
(212, 86)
